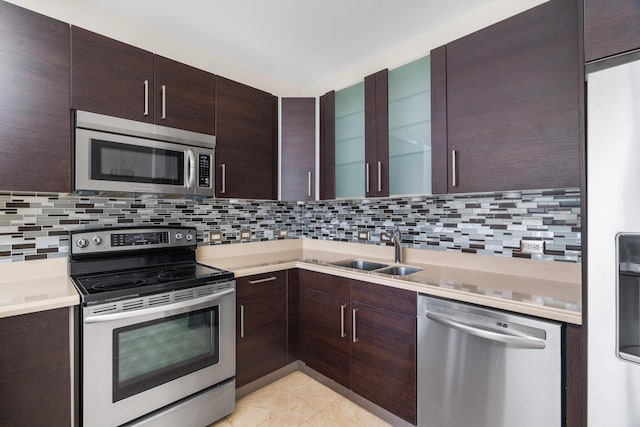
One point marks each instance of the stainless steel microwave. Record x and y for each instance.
(114, 155)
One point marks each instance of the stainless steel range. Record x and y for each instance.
(158, 329)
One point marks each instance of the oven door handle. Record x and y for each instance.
(158, 309)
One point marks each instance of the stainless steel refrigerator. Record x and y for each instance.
(613, 227)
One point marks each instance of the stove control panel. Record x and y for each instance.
(134, 238)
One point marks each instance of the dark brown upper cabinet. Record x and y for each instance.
(376, 134)
(611, 27)
(185, 96)
(513, 104)
(34, 102)
(327, 146)
(113, 78)
(298, 127)
(246, 141)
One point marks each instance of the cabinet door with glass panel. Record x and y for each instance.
(410, 128)
(409, 144)
(349, 142)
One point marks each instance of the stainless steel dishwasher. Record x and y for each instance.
(485, 368)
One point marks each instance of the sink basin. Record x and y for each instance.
(398, 270)
(359, 264)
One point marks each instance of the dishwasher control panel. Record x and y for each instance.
(468, 315)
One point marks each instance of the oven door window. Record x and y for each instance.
(146, 355)
(114, 161)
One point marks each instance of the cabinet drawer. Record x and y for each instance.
(259, 283)
(384, 297)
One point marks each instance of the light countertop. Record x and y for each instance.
(551, 290)
(31, 286)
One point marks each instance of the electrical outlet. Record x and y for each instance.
(385, 237)
(282, 234)
(215, 237)
(363, 235)
(532, 246)
(245, 235)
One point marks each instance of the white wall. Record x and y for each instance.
(86, 15)
(422, 45)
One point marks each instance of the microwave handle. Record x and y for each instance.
(192, 168)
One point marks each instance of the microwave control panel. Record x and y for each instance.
(204, 171)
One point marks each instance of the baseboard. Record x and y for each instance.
(392, 419)
(267, 379)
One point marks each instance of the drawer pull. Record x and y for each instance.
(268, 279)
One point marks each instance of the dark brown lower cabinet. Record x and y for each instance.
(293, 316)
(576, 375)
(375, 356)
(383, 348)
(326, 325)
(35, 386)
(261, 327)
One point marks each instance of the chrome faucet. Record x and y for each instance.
(396, 245)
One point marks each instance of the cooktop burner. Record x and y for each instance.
(117, 283)
(119, 263)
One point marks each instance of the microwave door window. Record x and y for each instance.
(112, 161)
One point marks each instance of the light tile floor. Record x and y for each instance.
(298, 400)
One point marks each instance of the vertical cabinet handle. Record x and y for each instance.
(309, 188)
(192, 168)
(454, 173)
(367, 177)
(343, 333)
(164, 101)
(353, 324)
(146, 98)
(223, 188)
(379, 176)
(241, 321)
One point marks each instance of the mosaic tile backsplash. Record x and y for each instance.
(35, 225)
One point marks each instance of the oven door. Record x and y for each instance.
(138, 361)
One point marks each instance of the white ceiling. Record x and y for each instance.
(299, 41)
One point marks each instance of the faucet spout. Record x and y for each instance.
(396, 245)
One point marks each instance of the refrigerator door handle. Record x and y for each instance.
(517, 341)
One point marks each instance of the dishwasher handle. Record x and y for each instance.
(517, 341)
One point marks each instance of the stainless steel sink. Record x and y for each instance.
(359, 264)
(398, 270)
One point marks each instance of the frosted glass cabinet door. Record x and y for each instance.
(410, 128)
(349, 141)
